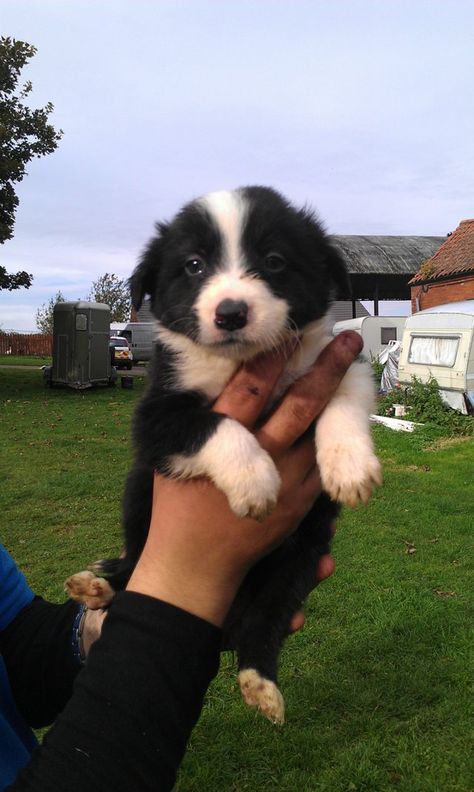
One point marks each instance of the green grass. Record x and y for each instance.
(24, 360)
(65, 456)
(377, 683)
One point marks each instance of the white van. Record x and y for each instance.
(141, 337)
(439, 343)
(377, 332)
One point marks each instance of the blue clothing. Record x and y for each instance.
(16, 738)
(143, 687)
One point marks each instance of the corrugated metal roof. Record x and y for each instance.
(454, 257)
(386, 255)
(378, 265)
(342, 310)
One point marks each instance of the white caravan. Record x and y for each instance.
(438, 343)
(377, 332)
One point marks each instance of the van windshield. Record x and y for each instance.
(434, 350)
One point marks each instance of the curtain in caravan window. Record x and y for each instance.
(433, 350)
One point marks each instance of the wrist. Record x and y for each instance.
(92, 628)
(205, 594)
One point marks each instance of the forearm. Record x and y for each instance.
(134, 704)
(167, 572)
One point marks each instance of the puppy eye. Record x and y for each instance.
(274, 262)
(195, 266)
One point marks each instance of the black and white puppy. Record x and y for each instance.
(235, 274)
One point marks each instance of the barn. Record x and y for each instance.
(380, 268)
(448, 275)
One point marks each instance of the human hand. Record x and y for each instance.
(93, 622)
(324, 569)
(197, 551)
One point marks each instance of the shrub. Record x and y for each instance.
(427, 407)
(377, 369)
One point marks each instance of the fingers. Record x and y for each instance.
(247, 393)
(297, 622)
(325, 569)
(308, 396)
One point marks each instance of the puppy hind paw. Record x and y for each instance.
(262, 693)
(93, 591)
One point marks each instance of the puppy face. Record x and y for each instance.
(239, 271)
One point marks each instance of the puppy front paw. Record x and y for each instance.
(252, 491)
(234, 460)
(262, 693)
(93, 591)
(349, 472)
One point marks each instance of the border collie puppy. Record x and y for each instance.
(233, 275)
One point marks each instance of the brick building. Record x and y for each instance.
(448, 276)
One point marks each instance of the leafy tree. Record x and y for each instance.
(14, 280)
(24, 134)
(113, 291)
(44, 315)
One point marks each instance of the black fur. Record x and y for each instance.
(168, 421)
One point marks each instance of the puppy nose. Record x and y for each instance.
(231, 314)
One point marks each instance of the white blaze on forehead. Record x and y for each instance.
(267, 313)
(228, 210)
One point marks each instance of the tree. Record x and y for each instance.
(44, 315)
(14, 280)
(113, 291)
(24, 134)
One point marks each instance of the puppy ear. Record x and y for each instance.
(337, 272)
(336, 269)
(143, 280)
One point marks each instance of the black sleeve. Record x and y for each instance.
(36, 648)
(134, 703)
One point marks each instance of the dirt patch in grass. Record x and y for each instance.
(410, 468)
(446, 442)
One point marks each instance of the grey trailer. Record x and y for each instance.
(81, 356)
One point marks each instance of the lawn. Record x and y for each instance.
(377, 683)
(24, 360)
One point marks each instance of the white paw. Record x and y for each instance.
(93, 591)
(233, 459)
(257, 691)
(253, 490)
(349, 471)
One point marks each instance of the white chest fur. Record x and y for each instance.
(344, 451)
(203, 370)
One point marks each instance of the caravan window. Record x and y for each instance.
(387, 334)
(434, 350)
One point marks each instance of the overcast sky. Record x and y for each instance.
(365, 109)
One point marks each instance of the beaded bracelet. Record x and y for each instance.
(77, 630)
